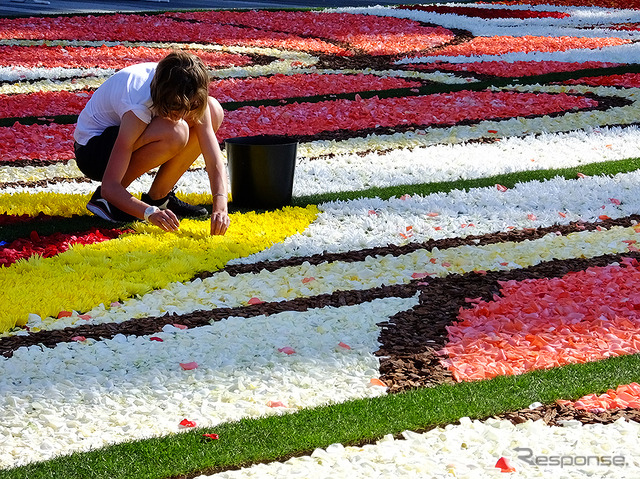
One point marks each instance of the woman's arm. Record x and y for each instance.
(131, 129)
(216, 171)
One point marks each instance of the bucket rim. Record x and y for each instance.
(262, 140)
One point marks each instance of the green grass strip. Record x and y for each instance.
(354, 422)
(509, 180)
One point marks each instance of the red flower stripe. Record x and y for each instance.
(622, 4)
(438, 109)
(103, 57)
(627, 80)
(375, 35)
(371, 34)
(48, 246)
(45, 142)
(512, 69)
(49, 103)
(234, 89)
(287, 86)
(55, 142)
(149, 28)
(484, 12)
(501, 45)
(583, 316)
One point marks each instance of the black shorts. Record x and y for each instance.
(93, 157)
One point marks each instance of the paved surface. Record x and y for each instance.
(38, 7)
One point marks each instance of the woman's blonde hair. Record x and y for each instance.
(180, 86)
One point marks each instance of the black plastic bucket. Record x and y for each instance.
(261, 170)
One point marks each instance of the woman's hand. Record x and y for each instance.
(219, 222)
(165, 219)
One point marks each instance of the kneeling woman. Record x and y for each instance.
(146, 116)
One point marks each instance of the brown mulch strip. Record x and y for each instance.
(150, 325)
(411, 340)
(555, 414)
(396, 250)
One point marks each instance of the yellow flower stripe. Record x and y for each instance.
(134, 264)
(60, 204)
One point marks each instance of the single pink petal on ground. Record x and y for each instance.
(276, 404)
(419, 275)
(189, 366)
(287, 350)
(377, 382)
(78, 338)
(501, 188)
(308, 280)
(180, 326)
(615, 201)
(343, 345)
(255, 300)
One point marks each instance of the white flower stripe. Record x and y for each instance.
(89, 394)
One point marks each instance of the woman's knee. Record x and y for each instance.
(217, 113)
(175, 134)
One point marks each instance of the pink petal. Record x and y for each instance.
(156, 338)
(255, 300)
(78, 338)
(210, 436)
(275, 404)
(189, 366)
(377, 382)
(287, 350)
(343, 345)
(501, 188)
(180, 326)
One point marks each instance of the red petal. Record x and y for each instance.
(187, 423)
(210, 436)
(189, 366)
(504, 465)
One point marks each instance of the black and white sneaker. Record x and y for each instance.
(105, 210)
(179, 207)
